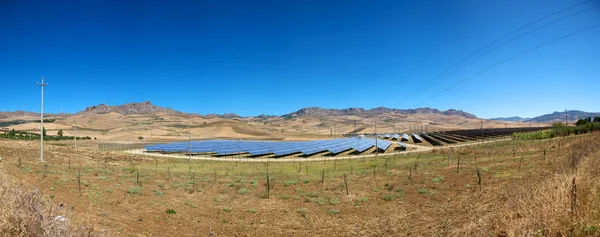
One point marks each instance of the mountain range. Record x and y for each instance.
(319, 112)
(147, 107)
(572, 115)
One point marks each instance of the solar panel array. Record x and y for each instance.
(417, 138)
(257, 148)
(405, 137)
(396, 136)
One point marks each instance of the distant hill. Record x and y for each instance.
(511, 119)
(321, 112)
(573, 115)
(21, 113)
(132, 108)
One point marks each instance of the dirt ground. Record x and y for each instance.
(466, 191)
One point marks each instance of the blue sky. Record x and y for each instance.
(274, 57)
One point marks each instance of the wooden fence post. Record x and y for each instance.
(346, 184)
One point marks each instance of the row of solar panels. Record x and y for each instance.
(256, 148)
(396, 136)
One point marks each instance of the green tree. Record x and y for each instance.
(11, 134)
(60, 133)
(582, 122)
(44, 131)
(141, 138)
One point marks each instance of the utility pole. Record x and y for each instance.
(42, 121)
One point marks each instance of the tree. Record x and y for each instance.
(582, 122)
(596, 119)
(11, 134)
(60, 133)
(141, 138)
(44, 131)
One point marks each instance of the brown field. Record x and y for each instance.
(172, 127)
(526, 193)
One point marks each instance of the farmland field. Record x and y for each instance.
(506, 188)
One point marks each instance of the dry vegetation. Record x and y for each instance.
(528, 192)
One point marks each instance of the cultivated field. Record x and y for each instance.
(506, 188)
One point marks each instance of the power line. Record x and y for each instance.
(504, 44)
(433, 81)
(511, 58)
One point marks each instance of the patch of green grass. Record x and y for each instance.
(170, 212)
(231, 185)
(296, 197)
(334, 201)
(468, 186)
(321, 201)
(376, 189)
(251, 210)
(134, 190)
(102, 177)
(437, 179)
(333, 211)
(253, 183)
(388, 197)
(290, 182)
(299, 190)
(158, 192)
(306, 181)
(85, 183)
(423, 191)
(52, 188)
(64, 180)
(243, 191)
(227, 209)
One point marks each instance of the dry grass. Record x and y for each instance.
(529, 197)
(26, 212)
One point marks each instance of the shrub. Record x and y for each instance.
(251, 210)
(134, 190)
(170, 212)
(388, 197)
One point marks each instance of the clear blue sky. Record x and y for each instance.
(274, 57)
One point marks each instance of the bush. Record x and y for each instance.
(134, 190)
(170, 212)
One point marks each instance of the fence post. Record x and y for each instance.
(268, 185)
(346, 184)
